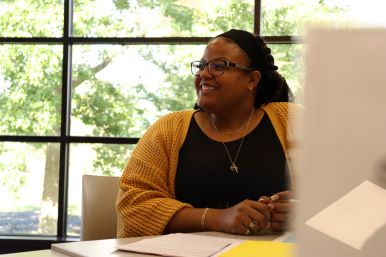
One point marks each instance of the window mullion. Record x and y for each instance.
(257, 17)
(65, 120)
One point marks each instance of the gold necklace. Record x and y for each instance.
(232, 132)
(233, 166)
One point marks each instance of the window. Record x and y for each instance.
(81, 80)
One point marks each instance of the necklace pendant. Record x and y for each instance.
(234, 168)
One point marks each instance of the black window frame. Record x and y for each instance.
(26, 243)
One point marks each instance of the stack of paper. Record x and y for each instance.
(186, 245)
(189, 245)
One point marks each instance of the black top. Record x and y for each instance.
(204, 178)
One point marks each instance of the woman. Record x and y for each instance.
(213, 168)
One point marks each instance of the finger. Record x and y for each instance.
(244, 230)
(257, 222)
(279, 217)
(247, 214)
(264, 199)
(247, 232)
(248, 218)
(278, 226)
(255, 212)
(280, 207)
(261, 213)
(263, 209)
(248, 227)
(240, 227)
(252, 218)
(281, 196)
(254, 226)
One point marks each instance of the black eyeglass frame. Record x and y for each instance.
(227, 64)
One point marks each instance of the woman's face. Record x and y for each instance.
(231, 89)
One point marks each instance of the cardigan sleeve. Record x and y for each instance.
(146, 202)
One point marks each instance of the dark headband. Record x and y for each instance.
(253, 47)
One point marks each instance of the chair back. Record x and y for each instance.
(99, 215)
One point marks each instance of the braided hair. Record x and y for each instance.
(272, 86)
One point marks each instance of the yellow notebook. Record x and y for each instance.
(261, 249)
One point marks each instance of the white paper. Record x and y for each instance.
(226, 249)
(355, 217)
(179, 244)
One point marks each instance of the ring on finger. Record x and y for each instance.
(251, 224)
(247, 232)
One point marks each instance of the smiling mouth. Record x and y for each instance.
(207, 88)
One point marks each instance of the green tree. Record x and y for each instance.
(31, 95)
(289, 19)
(30, 75)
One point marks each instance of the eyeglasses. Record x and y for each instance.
(215, 67)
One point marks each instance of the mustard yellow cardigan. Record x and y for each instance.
(146, 200)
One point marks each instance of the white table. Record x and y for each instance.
(107, 247)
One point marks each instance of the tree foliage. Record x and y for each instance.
(31, 82)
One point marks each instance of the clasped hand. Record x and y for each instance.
(250, 217)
